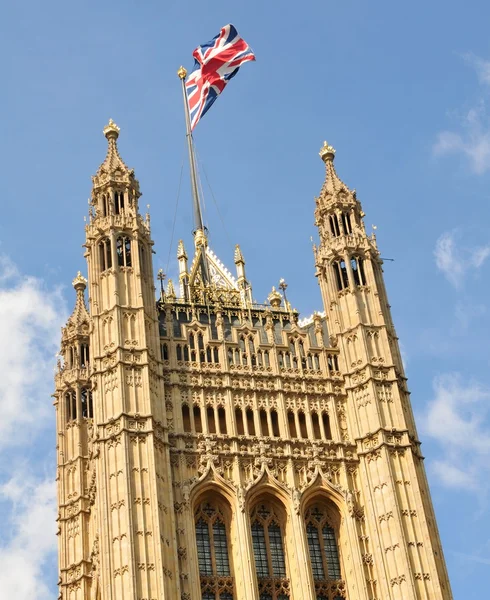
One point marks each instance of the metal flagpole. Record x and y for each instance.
(200, 232)
(182, 73)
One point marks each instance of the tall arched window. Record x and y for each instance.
(123, 251)
(71, 405)
(212, 553)
(105, 256)
(119, 202)
(86, 403)
(324, 553)
(341, 277)
(268, 547)
(357, 266)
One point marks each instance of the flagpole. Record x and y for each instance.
(182, 73)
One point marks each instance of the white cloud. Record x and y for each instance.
(457, 418)
(454, 262)
(472, 138)
(32, 540)
(30, 319)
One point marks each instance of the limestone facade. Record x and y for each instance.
(212, 447)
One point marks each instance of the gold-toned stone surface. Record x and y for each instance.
(206, 404)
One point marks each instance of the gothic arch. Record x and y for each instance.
(211, 483)
(321, 487)
(264, 483)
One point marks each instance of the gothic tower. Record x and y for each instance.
(211, 447)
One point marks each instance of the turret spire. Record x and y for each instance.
(113, 160)
(333, 184)
(80, 314)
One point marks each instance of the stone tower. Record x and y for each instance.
(214, 448)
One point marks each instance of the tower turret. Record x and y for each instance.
(74, 425)
(126, 451)
(404, 544)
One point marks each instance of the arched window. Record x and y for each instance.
(302, 425)
(211, 420)
(84, 356)
(316, 426)
(119, 202)
(268, 547)
(71, 405)
(212, 553)
(105, 205)
(186, 418)
(334, 225)
(239, 421)
(292, 425)
(197, 419)
(86, 403)
(222, 419)
(346, 223)
(357, 266)
(164, 351)
(326, 426)
(264, 426)
(324, 553)
(123, 251)
(250, 421)
(275, 424)
(105, 256)
(341, 277)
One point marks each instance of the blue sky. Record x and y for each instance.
(402, 92)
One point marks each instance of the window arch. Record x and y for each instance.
(323, 548)
(86, 403)
(71, 405)
(268, 548)
(357, 266)
(341, 277)
(213, 552)
(105, 256)
(123, 251)
(119, 202)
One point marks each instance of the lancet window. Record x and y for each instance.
(268, 547)
(86, 403)
(334, 225)
(123, 251)
(213, 552)
(71, 405)
(332, 362)
(105, 256)
(118, 202)
(323, 548)
(340, 272)
(357, 266)
(346, 223)
(84, 356)
(105, 205)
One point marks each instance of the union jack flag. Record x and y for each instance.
(216, 62)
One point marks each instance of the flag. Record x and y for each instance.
(215, 64)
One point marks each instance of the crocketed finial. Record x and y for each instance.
(111, 130)
(79, 283)
(327, 152)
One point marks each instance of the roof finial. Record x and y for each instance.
(79, 283)
(111, 130)
(327, 152)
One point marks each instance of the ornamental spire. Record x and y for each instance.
(333, 185)
(79, 317)
(113, 160)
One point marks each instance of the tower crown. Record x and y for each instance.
(333, 187)
(78, 321)
(113, 169)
